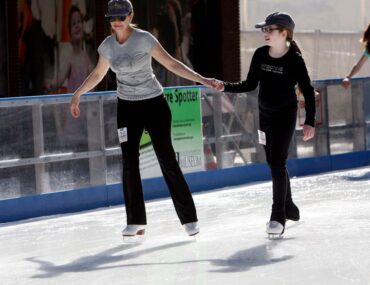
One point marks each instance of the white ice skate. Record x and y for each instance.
(133, 233)
(274, 230)
(191, 228)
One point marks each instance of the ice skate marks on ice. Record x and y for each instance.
(274, 230)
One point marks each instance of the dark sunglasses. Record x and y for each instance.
(119, 18)
(269, 30)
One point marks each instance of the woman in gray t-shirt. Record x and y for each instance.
(141, 105)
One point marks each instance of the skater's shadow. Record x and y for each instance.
(241, 261)
(363, 177)
(256, 256)
(98, 261)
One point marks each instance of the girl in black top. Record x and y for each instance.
(277, 68)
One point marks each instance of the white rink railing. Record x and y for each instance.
(42, 150)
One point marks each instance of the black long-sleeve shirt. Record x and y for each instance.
(277, 78)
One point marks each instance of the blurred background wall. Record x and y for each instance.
(40, 54)
(328, 31)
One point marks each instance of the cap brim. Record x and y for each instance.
(117, 15)
(260, 25)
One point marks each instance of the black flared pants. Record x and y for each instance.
(279, 129)
(153, 115)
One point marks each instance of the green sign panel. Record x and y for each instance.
(185, 104)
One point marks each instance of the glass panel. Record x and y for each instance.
(17, 181)
(230, 124)
(368, 136)
(16, 132)
(62, 132)
(66, 175)
(342, 140)
(366, 105)
(339, 106)
(304, 148)
(110, 124)
(114, 169)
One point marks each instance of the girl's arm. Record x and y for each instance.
(249, 84)
(304, 83)
(356, 68)
(177, 67)
(90, 82)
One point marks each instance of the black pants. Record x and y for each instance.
(279, 128)
(155, 116)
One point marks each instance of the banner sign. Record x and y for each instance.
(187, 138)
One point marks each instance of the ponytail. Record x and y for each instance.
(289, 38)
(295, 46)
(293, 43)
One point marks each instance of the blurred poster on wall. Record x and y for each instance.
(168, 26)
(56, 44)
(3, 53)
(181, 28)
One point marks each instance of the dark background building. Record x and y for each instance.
(36, 41)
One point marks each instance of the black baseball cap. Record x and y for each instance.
(119, 8)
(278, 18)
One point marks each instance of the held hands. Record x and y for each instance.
(346, 82)
(308, 132)
(75, 110)
(219, 85)
(214, 83)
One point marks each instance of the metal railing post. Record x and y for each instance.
(41, 176)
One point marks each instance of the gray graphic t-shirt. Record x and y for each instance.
(132, 63)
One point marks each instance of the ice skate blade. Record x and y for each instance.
(193, 234)
(133, 239)
(132, 230)
(274, 236)
(137, 238)
(193, 238)
(138, 233)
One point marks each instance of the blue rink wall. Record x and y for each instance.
(109, 195)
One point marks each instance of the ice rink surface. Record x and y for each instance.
(330, 245)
